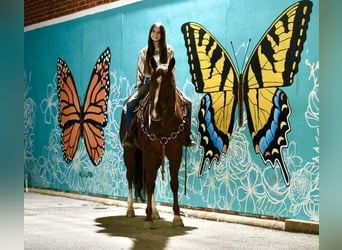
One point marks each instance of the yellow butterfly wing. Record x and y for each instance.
(211, 67)
(212, 72)
(274, 63)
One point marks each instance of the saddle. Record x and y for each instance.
(138, 112)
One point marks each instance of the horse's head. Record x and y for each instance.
(163, 89)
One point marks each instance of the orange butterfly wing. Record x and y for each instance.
(70, 110)
(88, 120)
(95, 108)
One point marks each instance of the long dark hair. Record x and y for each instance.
(151, 48)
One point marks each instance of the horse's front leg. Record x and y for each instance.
(155, 213)
(174, 169)
(148, 223)
(150, 168)
(129, 162)
(130, 209)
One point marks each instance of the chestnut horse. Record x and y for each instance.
(161, 118)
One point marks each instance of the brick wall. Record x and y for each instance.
(36, 11)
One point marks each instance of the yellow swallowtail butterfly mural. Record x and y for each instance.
(273, 64)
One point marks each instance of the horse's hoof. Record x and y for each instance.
(177, 221)
(155, 215)
(130, 213)
(148, 224)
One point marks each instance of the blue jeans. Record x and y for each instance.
(133, 102)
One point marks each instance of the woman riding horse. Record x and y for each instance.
(160, 134)
(162, 53)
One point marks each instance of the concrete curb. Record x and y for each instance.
(289, 225)
(300, 226)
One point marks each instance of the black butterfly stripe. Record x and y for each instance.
(268, 51)
(256, 68)
(194, 56)
(224, 74)
(201, 34)
(272, 32)
(294, 54)
(286, 23)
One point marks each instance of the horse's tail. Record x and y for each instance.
(138, 179)
(138, 174)
(122, 125)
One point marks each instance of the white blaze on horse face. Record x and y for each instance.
(156, 98)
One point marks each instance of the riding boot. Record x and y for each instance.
(188, 141)
(128, 139)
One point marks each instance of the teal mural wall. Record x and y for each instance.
(241, 181)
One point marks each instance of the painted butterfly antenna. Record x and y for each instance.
(244, 61)
(236, 61)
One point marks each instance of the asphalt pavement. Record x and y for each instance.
(83, 222)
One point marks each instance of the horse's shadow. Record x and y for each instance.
(132, 228)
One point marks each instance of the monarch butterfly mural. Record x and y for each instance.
(89, 119)
(273, 63)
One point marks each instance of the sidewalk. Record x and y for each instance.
(83, 222)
